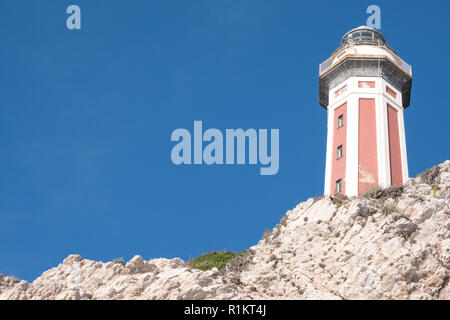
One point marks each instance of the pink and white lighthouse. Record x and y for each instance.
(365, 86)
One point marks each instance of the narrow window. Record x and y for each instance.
(366, 84)
(340, 91)
(391, 92)
(340, 121)
(338, 186)
(339, 152)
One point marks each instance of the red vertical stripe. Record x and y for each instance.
(367, 146)
(394, 148)
(339, 138)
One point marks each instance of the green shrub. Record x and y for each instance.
(119, 261)
(215, 259)
(379, 193)
(435, 189)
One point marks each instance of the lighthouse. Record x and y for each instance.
(365, 87)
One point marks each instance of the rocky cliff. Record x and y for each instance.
(387, 244)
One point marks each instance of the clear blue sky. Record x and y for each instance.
(86, 118)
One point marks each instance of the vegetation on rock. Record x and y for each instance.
(214, 259)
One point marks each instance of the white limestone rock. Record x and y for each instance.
(393, 247)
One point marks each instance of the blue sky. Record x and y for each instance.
(86, 118)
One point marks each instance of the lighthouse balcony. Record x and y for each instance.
(364, 60)
(364, 51)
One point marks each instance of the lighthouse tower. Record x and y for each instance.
(365, 86)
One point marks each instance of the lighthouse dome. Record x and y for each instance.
(363, 35)
(364, 53)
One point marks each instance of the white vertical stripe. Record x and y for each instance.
(330, 136)
(351, 166)
(384, 171)
(401, 128)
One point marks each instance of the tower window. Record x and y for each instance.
(338, 186)
(339, 152)
(366, 84)
(391, 92)
(340, 121)
(340, 91)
